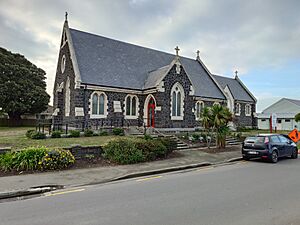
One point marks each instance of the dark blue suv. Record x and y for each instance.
(269, 146)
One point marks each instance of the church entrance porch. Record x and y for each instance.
(151, 113)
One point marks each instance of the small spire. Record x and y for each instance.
(198, 54)
(177, 50)
(236, 73)
(66, 16)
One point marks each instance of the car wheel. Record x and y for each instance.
(295, 154)
(246, 158)
(274, 157)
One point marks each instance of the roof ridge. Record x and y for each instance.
(222, 76)
(128, 43)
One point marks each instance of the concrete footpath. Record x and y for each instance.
(77, 177)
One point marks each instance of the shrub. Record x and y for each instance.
(195, 136)
(118, 131)
(57, 159)
(56, 134)
(129, 150)
(74, 133)
(40, 158)
(148, 137)
(123, 151)
(88, 133)
(152, 149)
(37, 135)
(170, 144)
(29, 133)
(103, 133)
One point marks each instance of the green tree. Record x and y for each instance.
(221, 116)
(207, 123)
(216, 119)
(22, 86)
(297, 117)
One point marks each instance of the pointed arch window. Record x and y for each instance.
(95, 104)
(131, 106)
(238, 109)
(101, 104)
(67, 97)
(199, 108)
(248, 110)
(98, 105)
(177, 102)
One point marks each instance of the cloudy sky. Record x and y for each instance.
(259, 38)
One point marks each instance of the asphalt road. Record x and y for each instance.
(245, 193)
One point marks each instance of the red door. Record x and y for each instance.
(151, 113)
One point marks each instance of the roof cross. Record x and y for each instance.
(177, 50)
(66, 16)
(236, 73)
(198, 54)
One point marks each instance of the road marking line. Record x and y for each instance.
(148, 178)
(64, 192)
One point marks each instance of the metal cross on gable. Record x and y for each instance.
(198, 54)
(236, 72)
(66, 15)
(177, 50)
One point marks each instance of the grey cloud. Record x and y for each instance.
(229, 33)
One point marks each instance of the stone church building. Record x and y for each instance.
(104, 82)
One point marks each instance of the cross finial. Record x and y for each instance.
(177, 50)
(236, 73)
(66, 16)
(198, 54)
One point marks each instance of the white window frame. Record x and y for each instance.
(68, 97)
(63, 64)
(217, 103)
(201, 103)
(98, 116)
(237, 106)
(250, 111)
(181, 90)
(136, 107)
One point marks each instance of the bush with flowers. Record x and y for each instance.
(36, 158)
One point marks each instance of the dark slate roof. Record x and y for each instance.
(108, 62)
(237, 90)
(155, 76)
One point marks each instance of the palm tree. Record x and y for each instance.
(220, 117)
(206, 123)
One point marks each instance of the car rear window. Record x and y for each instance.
(255, 140)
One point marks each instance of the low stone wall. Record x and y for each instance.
(4, 150)
(81, 152)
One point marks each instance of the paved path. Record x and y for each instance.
(239, 194)
(101, 174)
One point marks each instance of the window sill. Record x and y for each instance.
(176, 117)
(131, 117)
(98, 116)
(237, 114)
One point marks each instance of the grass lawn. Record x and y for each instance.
(16, 139)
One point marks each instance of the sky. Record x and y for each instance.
(259, 38)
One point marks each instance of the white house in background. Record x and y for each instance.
(285, 110)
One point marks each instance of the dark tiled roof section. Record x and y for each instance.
(237, 90)
(108, 62)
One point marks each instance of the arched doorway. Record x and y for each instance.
(151, 113)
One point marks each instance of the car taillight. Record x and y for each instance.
(266, 140)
